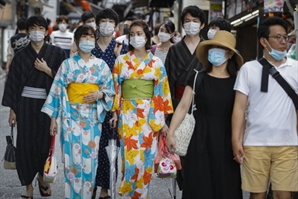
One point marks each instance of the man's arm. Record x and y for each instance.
(9, 56)
(238, 125)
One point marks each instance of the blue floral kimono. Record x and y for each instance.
(80, 124)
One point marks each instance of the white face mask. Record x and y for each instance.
(36, 36)
(177, 39)
(192, 28)
(164, 37)
(62, 27)
(137, 42)
(211, 33)
(92, 24)
(106, 29)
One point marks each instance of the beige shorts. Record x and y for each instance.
(277, 164)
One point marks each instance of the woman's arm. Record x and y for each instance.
(178, 116)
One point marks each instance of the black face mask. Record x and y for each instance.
(125, 30)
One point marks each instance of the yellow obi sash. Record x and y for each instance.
(137, 89)
(76, 91)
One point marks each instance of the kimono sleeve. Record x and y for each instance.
(161, 102)
(14, 84)
(105, 104)
(117, 84)
(53, 104)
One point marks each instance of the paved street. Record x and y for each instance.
(10, 185)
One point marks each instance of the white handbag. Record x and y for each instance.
(183, 133)
(50, 167)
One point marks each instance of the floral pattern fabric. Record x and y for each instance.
(80, 123)
(139, 121)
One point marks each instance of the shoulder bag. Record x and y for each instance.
(183, 133)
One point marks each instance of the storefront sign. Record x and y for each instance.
(273, 6)
(215, 10)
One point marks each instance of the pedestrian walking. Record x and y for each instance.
(216, 25)
(166, 37)
(181, 60)
(17, 42)
(29, 80)
(62, 37)
(108, 49)
(81, 95)
(267, 147)
(209, 168)
(141, 102)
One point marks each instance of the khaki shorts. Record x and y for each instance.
(277, 164)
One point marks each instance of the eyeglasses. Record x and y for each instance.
(279, 37)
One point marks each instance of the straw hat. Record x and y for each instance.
(221, 38)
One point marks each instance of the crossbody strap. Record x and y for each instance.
(277, 76)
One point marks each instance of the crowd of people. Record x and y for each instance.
(112, 80)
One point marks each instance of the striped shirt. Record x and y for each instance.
(63, 40)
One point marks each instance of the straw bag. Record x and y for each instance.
(50, 167)
(183, 133)
(10, 153)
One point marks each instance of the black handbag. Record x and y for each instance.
(10, 153)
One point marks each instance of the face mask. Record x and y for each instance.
(277, 55)
(62, 27)
(216, 56)
(177, 39)
(211, 33)
(192, 28)
(36, 36)
(86, 46)
(137, 42)
(106, 29)
(92, 24)
(164, 37)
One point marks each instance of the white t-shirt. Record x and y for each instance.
(271, 118)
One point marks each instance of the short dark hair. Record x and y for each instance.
(264, 28)
(107, 13)
(36, 20)
(170, 27)
(221, 23)
(61, 18)
(194, 11)
(83, 30)
(130, 19)
(145, 27)
(21, 23)
(232, 67)
(87, 15)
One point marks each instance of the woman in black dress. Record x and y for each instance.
(210, 171)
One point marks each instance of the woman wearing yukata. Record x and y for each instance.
(141, 102)
(81, 94)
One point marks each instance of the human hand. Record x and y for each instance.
(171, 144)
(117, 49)
(238, 151)
(93, 96)
(164, 130)
(53, 127)
(12, 119)
(113, 120)
(41, 65)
